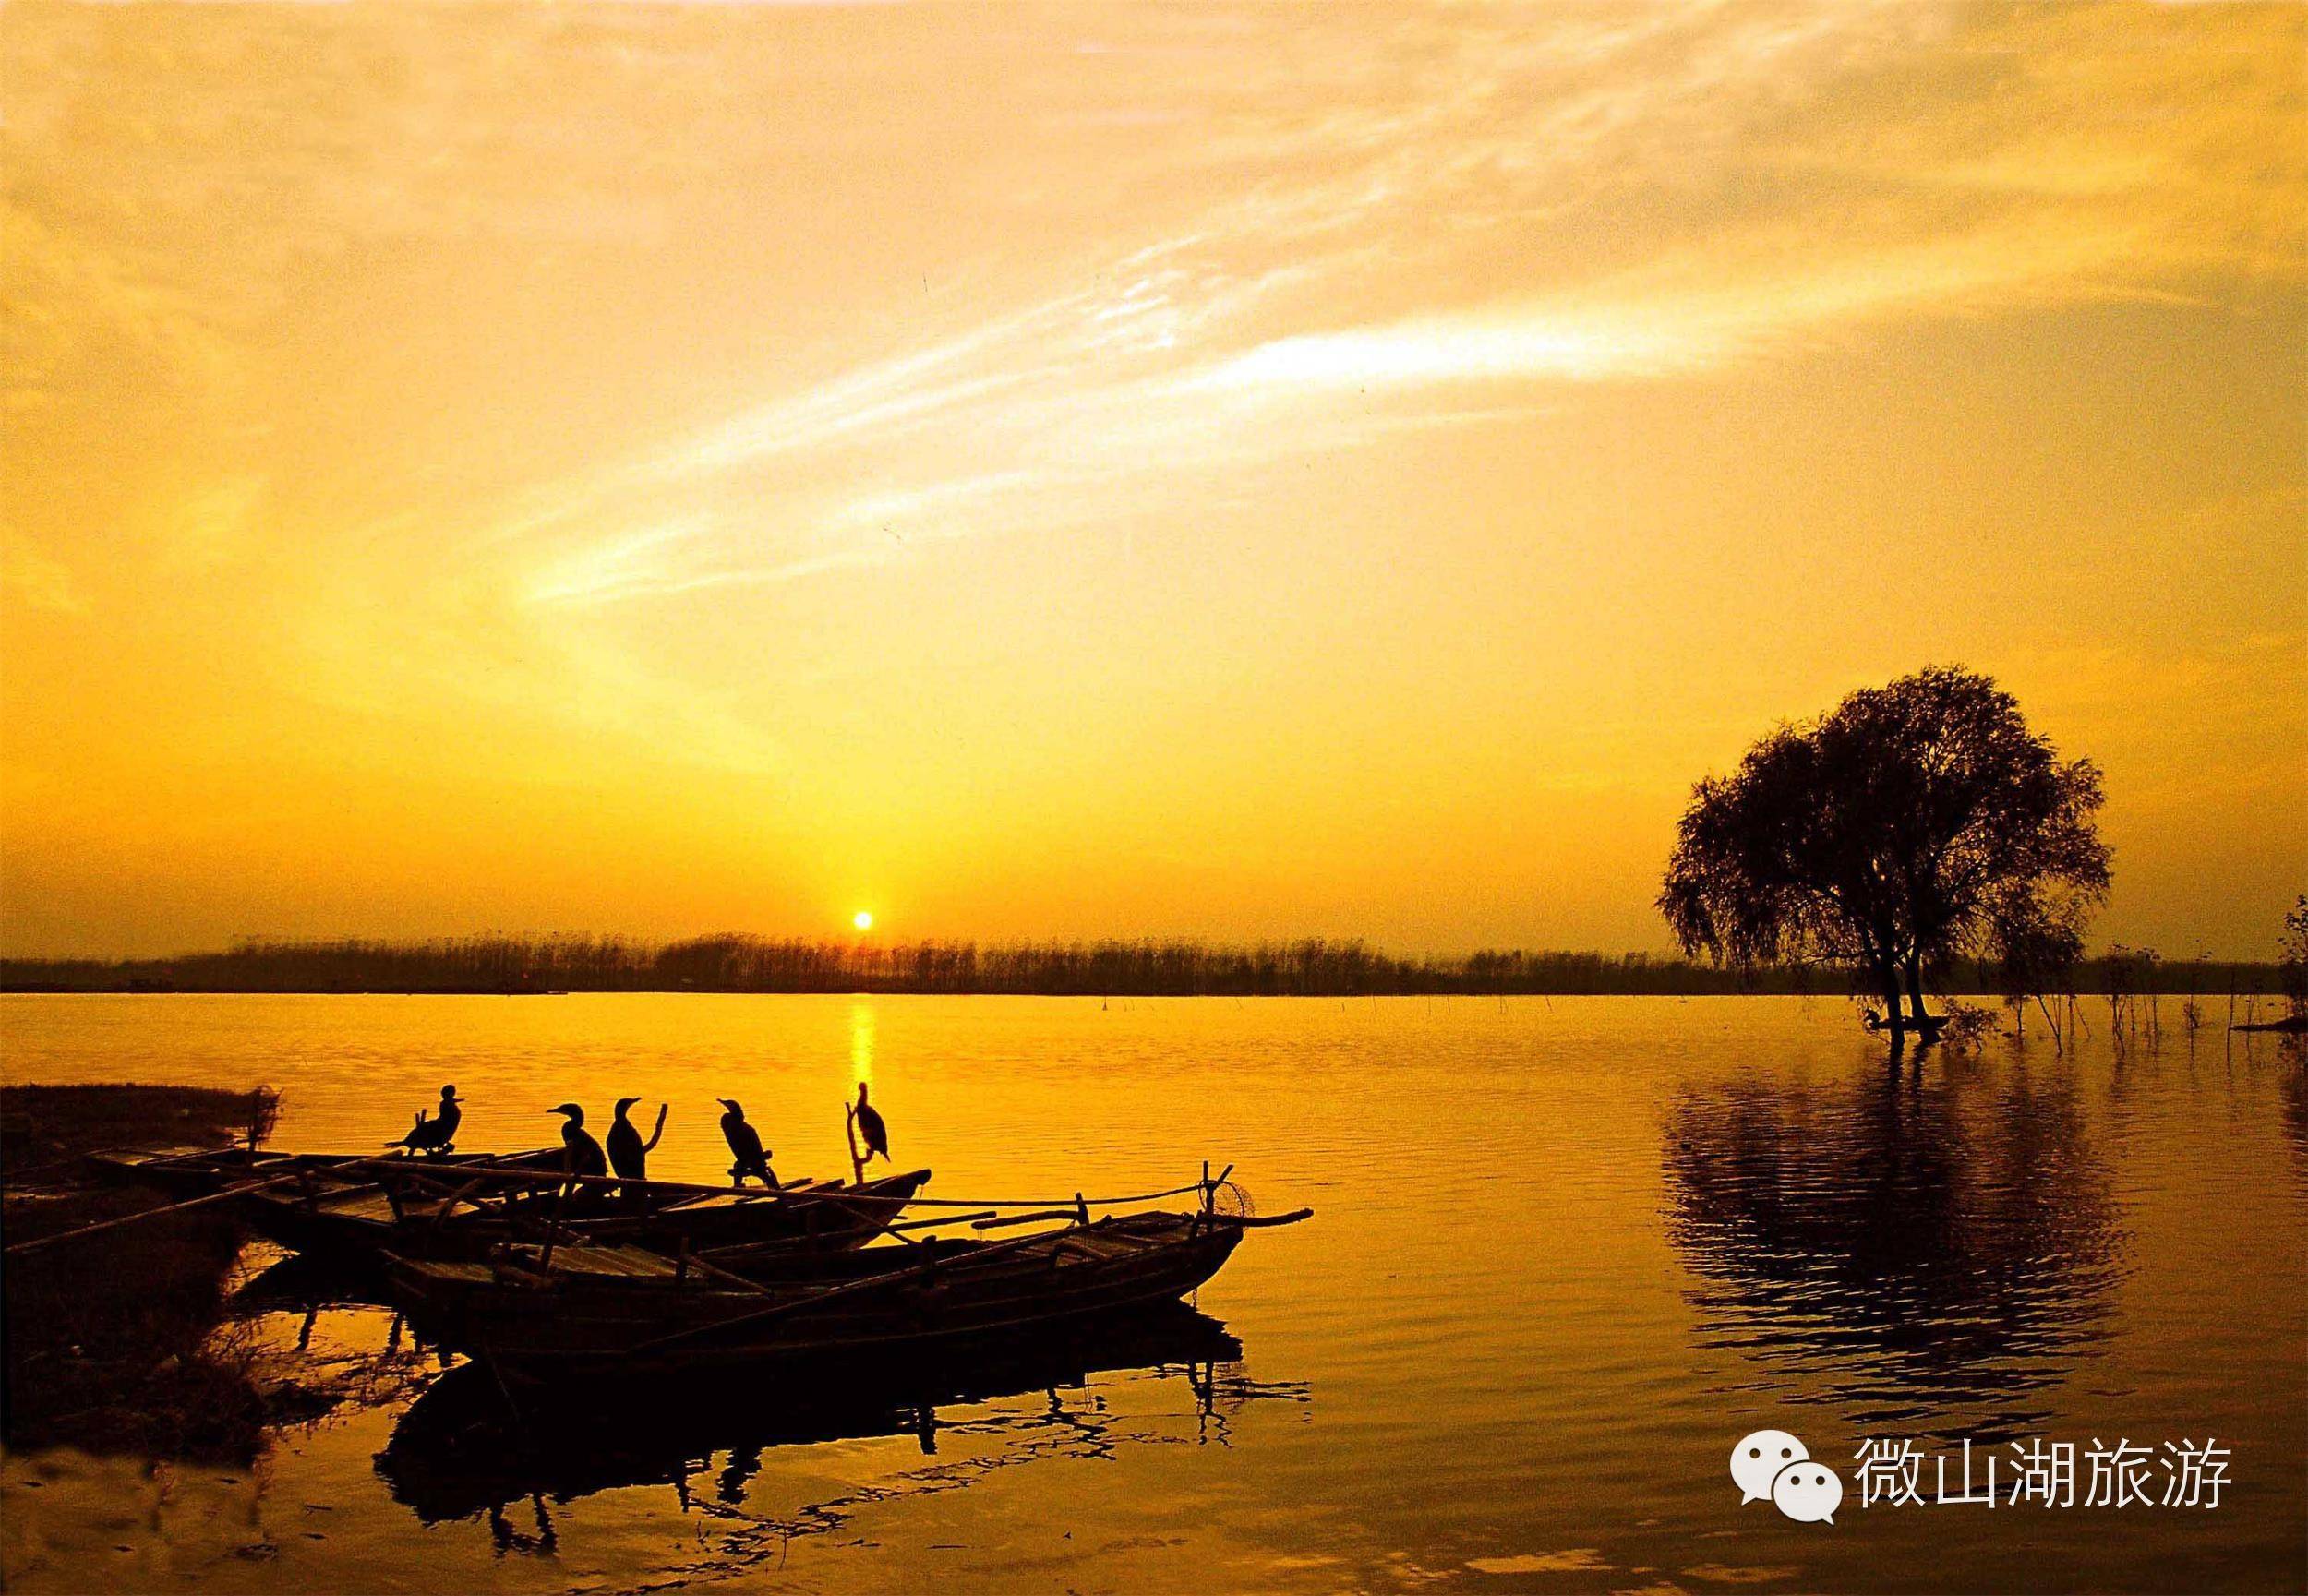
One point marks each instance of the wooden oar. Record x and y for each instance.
(38, 1241)
(1004, 1223)
(803, 1243)
(1292, 1217)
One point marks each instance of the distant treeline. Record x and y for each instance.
(1114, 969)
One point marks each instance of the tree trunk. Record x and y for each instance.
(1888, 974)
(1915, 990)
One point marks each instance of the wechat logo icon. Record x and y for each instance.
(1773, 1465)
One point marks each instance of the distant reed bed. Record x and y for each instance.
(1112, 967)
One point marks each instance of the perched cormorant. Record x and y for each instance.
(870, 1126)
(581, 1154)
(629, 1155)
(745, 1145)
(436, 1135)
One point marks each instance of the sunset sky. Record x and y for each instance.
(1282, 471)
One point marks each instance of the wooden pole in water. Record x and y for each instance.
(561, 1206)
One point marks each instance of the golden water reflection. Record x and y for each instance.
(1563, 1254)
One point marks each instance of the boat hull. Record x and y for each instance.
(969, 1296)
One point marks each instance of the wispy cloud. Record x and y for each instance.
(1167, 251)
(39, 580)
(1688, 190)
(1664, 323)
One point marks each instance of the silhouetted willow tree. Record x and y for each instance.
(2291, 959)
(1913, 824)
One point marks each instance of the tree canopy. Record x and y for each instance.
(1912, 824)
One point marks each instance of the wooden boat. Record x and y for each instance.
(583, 1309)
(356, 1205)
(198, 1171)
(444, 1210)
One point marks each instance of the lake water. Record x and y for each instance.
(1564, 1255)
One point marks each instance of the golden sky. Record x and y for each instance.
(1286, 470)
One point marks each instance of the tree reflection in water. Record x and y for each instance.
(1921, 1246)
(2293, 1058)
(460, 1453)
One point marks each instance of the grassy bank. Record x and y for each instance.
(110, 1339)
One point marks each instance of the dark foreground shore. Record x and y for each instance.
(112, 1337)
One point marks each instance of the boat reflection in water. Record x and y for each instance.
(1924, 1251)
(462, 1452)
(306, 1282)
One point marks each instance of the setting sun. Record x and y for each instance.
(862, 919)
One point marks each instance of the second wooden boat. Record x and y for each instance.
(438, 1209)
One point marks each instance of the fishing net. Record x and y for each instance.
(1231, 1202)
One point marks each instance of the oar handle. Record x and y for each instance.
(1268, 1222)
(1035, 1219)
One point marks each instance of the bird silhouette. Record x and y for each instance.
(581, 1154)
(745, 1145)
(629, 1155)
(871, 1126)
(437, 1134)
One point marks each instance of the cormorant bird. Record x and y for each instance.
(629, 1155)
(870, 1126)
(437, 1134)
(581, 1154)
(745, 1145)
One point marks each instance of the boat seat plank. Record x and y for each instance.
(629, 1263)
